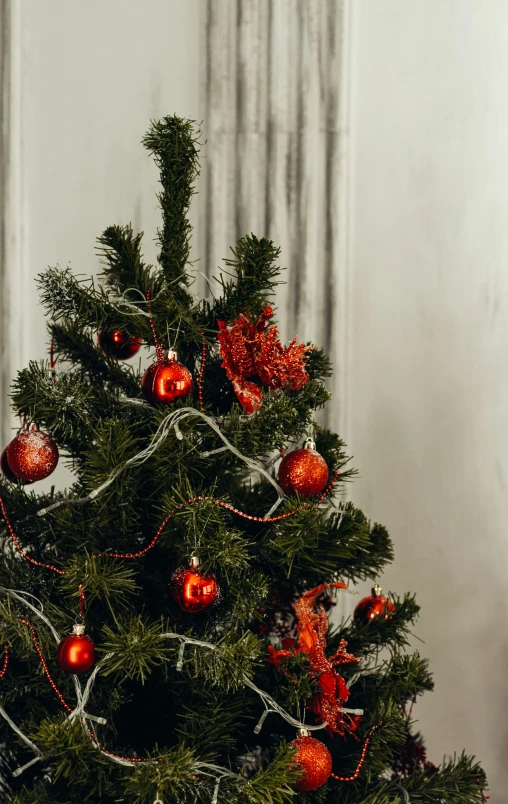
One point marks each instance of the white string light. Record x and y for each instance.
(170, 422)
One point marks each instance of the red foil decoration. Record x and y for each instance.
(165, 381)
(76, 652)
(315, 760)
(193, 591)
(312, 627)
(375, 606)
(119, 344)
(303, 472)
(32, 455)
(411, 758)
(251, 351)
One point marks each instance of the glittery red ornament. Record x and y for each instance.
(76, 652)
(303, 471)
(7, 471)
(119, 344)
(193, 591)
(32, 455)
(375, 606)
(315, 760)
(166, 380)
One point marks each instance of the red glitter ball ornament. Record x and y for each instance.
(119, 344)
(76, 652)
(315, 760)
(193, 591)
(166, 380)
(32, 455)
(375, 606)
(303, 471)
(7, 471)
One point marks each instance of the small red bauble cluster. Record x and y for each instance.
(166, 380)
(76, 652)
(119, 344)
(314, 759)
(193, 591)
(303, 471)
(375, 606)
(30, 456)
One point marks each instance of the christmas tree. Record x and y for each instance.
(164, 623)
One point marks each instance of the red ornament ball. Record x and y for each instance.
(303, 472)
(315, 760)
(166, 380)
(375, 606)
(119, 344)
(32, 455)
(193, 591)
(7, 471)
(76, 652)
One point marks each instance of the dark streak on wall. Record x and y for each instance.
(271, 122)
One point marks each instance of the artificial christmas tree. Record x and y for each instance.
(164, 620)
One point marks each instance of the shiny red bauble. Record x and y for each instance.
(303, 472)
(193, 591)
(375, 606)
(76, 652)
(32, 455)
(166, 380)
(315, 761)
(119, 344)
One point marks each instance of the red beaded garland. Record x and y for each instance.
(193, 591)
(375, 606)
(76, 652)
(315, 760)
(303, 472)
(32, 455)
(166, 380)
(6, 661)
(119, 344)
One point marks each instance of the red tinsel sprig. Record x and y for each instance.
(332, 691)
(251, 351)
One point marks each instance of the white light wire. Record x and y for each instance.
(83, 697)
(171, 421)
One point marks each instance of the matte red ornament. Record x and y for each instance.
(315, 760)
(193, 591)
(76, 652)
(7, 471)
(32, 455)
(166, 380)
(119, 344)
(303, 471)
(375, 606)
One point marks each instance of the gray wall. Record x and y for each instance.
(427, 382)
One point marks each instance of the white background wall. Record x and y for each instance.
(89, 77)
(427, 382)
(427, 404)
